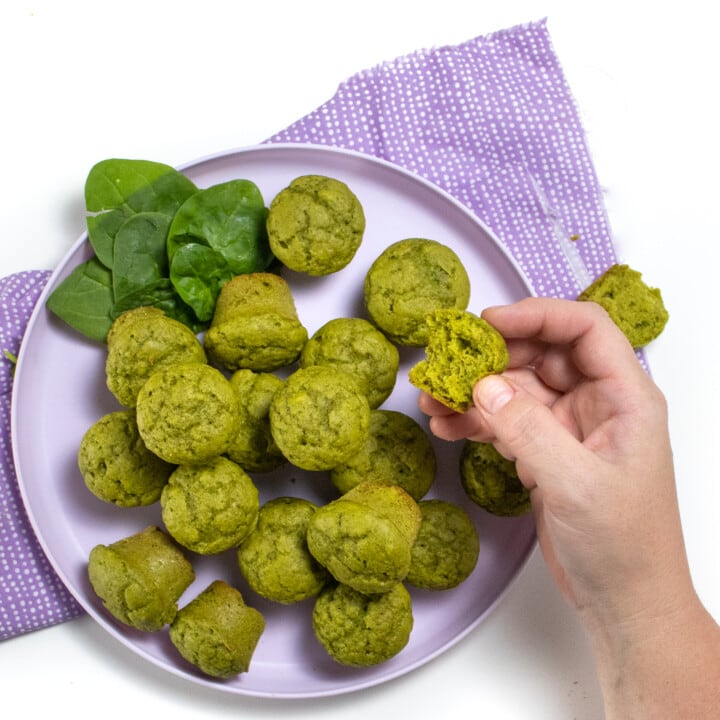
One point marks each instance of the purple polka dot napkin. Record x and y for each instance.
(31, 594)
(492, 121)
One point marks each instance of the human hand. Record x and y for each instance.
(588, 430)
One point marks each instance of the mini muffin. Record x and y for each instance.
(275, 560)
(116, 465)
(365, 537)
(637, 309)
(131, 316)
(259, 342)
(362, 630)
(140, 578)
(446, 549)
(359, 348)
(397, 452)
(217, 632)
(253, 446)
(409, 280)
(187, 413)
(142, 341)
(315, 225)
(211, 507)
(254, 294)
(461, 349)
(255, 325)
(391, 502)
(319, 418)
(491, 481)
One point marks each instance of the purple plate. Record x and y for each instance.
(59, 391)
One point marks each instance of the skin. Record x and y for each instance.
(588, 430)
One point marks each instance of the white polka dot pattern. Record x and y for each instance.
(31, 594)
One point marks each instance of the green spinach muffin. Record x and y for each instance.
(116, 465)
(274, 558)
(362, 630)
(446, 549)
(140, 578)
(359, 348)
(491, 481)
(409, 280)
(253, 446)
(461, 349)
(187, 413)
(255, 325)
(315, 225)
(217, 632)
(635, 307)
(255, 293)
(365, 537)
(130, 316)
(142, 341)
(319, 418)
(397, 452)
(211, 507)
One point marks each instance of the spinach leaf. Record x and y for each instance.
(163, 295)
(159, 241)
(229, 218)
(101, 233)
(84, 299)
(136, 185)
(116, 189)
(140, 258)
(198, 272)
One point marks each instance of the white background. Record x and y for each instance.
(170, 81)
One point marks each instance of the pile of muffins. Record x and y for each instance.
(199, 418)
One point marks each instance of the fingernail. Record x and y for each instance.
(492, 394)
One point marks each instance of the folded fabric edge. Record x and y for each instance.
(19, 631)
(430, 49)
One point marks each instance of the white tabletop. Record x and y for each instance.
(172, 82)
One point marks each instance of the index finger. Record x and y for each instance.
(536, 328)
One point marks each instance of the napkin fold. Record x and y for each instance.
(492, 121)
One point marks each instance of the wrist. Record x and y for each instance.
(660, 662)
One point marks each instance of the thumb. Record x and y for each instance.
(527, 431)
